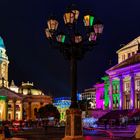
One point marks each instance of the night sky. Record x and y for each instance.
(22, 25)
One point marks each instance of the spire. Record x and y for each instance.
(1, 43)
(12, 84)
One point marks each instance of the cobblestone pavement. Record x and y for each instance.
(55, 134)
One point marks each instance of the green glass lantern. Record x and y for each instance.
(88, 20)
(61, 38)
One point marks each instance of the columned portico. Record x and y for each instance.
(128, 73)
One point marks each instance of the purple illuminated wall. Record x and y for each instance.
(99, 96)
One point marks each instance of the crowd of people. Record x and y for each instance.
(121, 121)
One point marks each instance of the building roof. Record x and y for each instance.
(134, 42)
(29, 89)
(9, 93)
(135, 59)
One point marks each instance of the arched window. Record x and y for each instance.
(35, 111)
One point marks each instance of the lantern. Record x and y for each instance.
(88, 20)
(76, 14)
(78, 38)
(69, 18)
(92, 37)
(98, 27)
(61, 38)
(52, 24)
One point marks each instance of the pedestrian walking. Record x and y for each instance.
(7, 132)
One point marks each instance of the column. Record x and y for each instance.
(14, 111)
(21, 110)
(110, 94)
(132, 91)
(29, 117)
(24, 110)
(6, 109)
(121, 92)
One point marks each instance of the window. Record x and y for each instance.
(9, 116)
(123, 57)
(133, 53)
(138, 84)
(102, 96)
(16, 116)
(129, 54)
(35, 111)
(127, 86)
(17, 108)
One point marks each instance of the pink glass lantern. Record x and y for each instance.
(61, 38)
(92, 37)
(98, 27)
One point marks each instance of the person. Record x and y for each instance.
(7, 133)
(117, 122)
(105, 122)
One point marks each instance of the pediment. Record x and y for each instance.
(135, 59)
(9, 93)
(134, 42)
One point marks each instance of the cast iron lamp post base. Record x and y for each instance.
(74, 129)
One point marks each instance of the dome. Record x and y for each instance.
(1, 43)
(29, 89)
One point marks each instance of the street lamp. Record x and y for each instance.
(73, 45)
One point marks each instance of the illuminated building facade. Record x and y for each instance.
(3, 64)
(99, 95)
(18, 103)
(90, 95)
(121, 89)
(62, 104)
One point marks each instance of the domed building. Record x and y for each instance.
(18, 103)
(29, 89)
(33, 99)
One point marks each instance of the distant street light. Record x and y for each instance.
(73, 42)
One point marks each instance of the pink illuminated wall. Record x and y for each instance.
(99, 95)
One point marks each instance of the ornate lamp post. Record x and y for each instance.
(73, 45)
